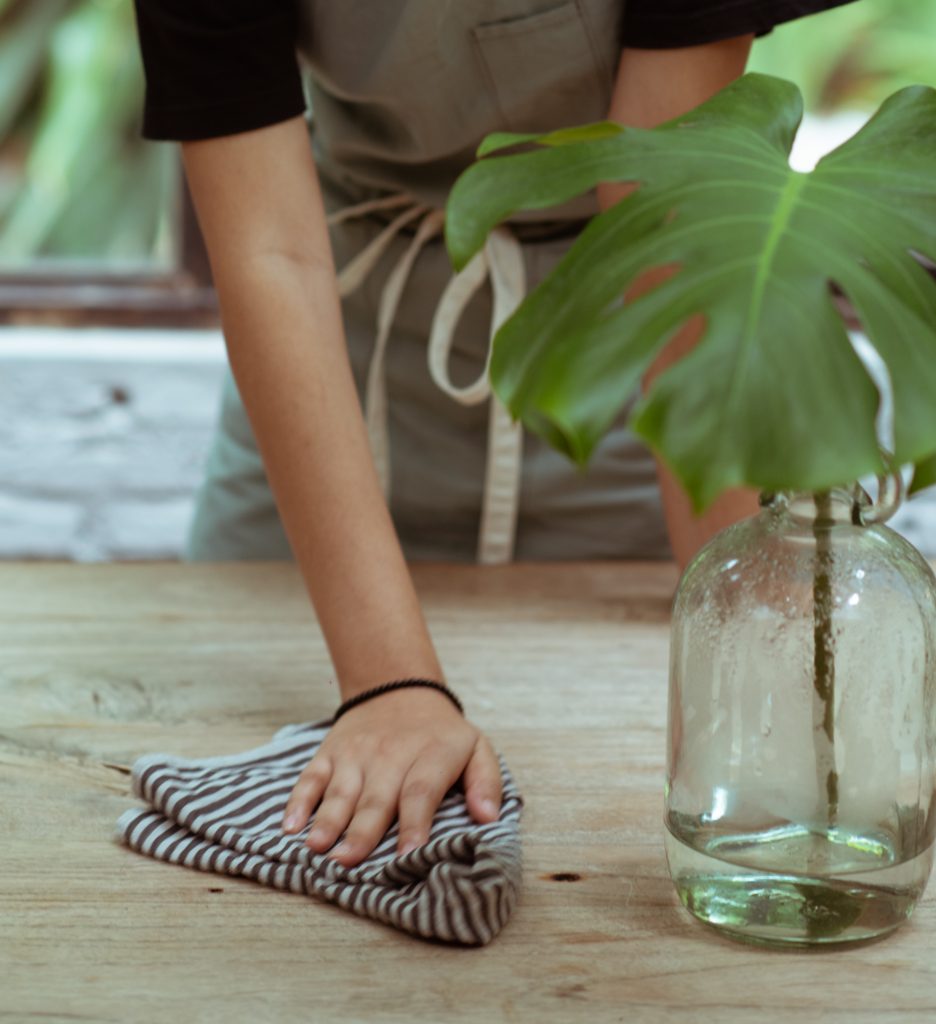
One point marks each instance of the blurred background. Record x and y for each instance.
(76, 182)
(110, 353)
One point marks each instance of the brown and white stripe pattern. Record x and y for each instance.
(224, 814)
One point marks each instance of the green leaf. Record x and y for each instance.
(563, 137)
(924, 474)
(504, 140)
(92, 98)
(774, 395)
(854, 56)
(765, 111)
(23, 45)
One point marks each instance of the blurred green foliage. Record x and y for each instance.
(78, 182)
(76, 179)
(852, 57)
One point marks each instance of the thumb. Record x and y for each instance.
(482, 781)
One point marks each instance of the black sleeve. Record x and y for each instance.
(217, 67)
(659, 24)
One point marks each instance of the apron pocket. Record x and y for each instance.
(543, 70)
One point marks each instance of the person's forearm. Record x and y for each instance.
(285, 344)
(282, 325)
(653, 86)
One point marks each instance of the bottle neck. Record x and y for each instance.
(848, 505)
(836, 506)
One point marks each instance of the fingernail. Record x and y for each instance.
(488, 806)
(408, 848)
(292, 820)
(341, 848)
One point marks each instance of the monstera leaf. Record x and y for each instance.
(773, 396)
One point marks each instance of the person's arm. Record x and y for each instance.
(651, 87)
(259, 205)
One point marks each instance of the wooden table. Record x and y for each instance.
(563, 665)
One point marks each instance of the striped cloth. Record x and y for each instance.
(224, 814)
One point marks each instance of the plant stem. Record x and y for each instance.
(824, 656)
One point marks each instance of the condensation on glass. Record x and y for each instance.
(800, 762)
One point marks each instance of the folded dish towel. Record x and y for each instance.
(224, 814)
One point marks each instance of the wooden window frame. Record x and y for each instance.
(97, 295)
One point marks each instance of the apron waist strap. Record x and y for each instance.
(501, 259)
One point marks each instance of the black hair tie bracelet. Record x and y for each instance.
(397, 684)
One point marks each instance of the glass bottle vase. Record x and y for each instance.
(799, 795)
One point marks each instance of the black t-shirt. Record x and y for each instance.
(217, 67)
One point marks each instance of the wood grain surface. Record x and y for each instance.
(563, 665)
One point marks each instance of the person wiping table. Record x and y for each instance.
(357, 427)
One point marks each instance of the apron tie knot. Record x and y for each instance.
(501, 259)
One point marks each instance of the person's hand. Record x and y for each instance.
(406, 747)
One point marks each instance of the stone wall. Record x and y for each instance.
(104, 434)
(102, 439)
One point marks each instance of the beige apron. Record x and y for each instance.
(402, 92)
